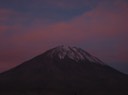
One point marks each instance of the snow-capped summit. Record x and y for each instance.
(74, 53)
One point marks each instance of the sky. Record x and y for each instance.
(30, 27)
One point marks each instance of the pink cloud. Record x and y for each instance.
(97, 25)
(99, 22)
(11, 21)
(10, 15)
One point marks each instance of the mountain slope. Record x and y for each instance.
(64, 71)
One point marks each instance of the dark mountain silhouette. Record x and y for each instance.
(63, 71)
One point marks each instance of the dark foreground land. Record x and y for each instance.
(68, 89)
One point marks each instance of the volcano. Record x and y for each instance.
(63, 71)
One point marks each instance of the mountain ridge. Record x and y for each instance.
(73, 53)
(52, 72)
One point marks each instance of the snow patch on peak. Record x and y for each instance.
(74, 53)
